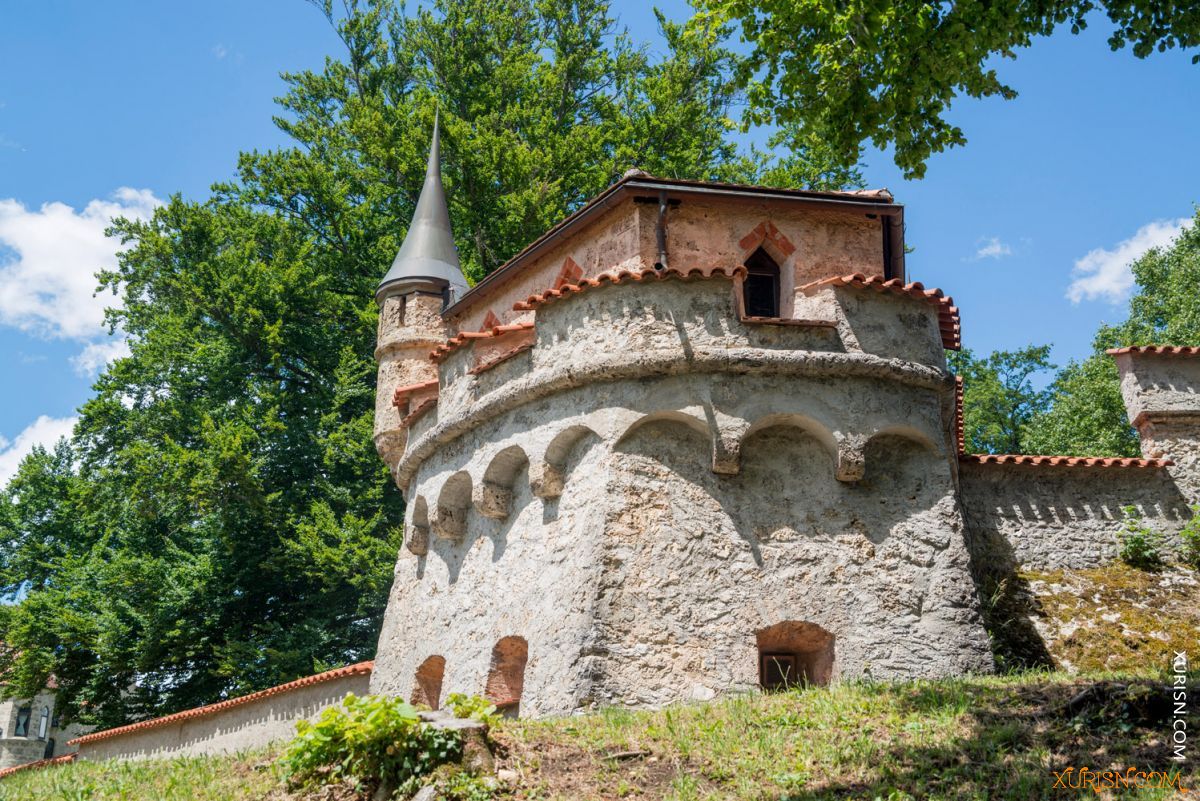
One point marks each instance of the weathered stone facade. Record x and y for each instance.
(623, 490)
(33, 730)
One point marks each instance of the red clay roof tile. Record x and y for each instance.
(455, 342)
(948, 320)
(960, 437)
(41, 763)
(412, 389)
(1063, 461)
(500, 358)
(1158, 350)
(623, 276)
(212, 709)
(417, 411)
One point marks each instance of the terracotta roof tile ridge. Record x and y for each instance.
(623, 275)
(949, 323)
(417, 411)
(500, 358)
(1064, 461)
(1160, 350)
(459, 340)
(41, 763)
(410, 389)
(212, 709)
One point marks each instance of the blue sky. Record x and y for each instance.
(106, 106)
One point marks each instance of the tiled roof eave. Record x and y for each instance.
(626, 276)
(212, 709)
(949, 322)
(457, 341)
(1156, 350)
(1063, 461)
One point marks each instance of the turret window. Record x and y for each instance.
(44, 723)
(23, 716)
(760, 290)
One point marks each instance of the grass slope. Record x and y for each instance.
(971, 738)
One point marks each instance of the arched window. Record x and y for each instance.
(427, 689)
(506, 678)
(760, 291)
(23, 716)
(44, 723)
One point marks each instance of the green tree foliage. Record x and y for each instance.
(886, 71)
(1087, 415)
(999, 399)
(220, 521)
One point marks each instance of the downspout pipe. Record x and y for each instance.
(660, 232)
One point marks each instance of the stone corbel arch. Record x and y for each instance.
(448, 519)
(492, 496)
(852, 449)
(803, 422)
(548, 475)
(417, 537)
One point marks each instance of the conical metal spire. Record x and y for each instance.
(428, 253)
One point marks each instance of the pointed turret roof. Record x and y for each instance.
(428, 252)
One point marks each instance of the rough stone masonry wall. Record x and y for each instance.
(1055, 517)
(238, 728)
(697, 562)
(701, 503)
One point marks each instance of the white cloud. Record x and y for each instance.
(220, 51)
(44, 431)
(95, 355)
(49, 258)
(992, 248)
(1106, 273)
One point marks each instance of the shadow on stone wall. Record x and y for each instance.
(1006, 602)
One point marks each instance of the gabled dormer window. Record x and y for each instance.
(761, 288)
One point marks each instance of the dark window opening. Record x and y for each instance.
(761, 287)
(779, 671)
(23, 716)
(794, 653)
(49, 752)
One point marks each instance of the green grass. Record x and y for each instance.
(235, 778)
(974, 738)
(970, 738)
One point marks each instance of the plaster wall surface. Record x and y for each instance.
(807, 244)
(1049, 518)
(239, 728)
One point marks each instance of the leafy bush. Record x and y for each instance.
(1141, 546)
(1189, 553)
(474, 707)
(371, 740)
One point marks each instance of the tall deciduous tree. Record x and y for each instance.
(999, 397)
(220, 521)
(886, 71)
(1087, 416)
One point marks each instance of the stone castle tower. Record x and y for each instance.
(702, 437)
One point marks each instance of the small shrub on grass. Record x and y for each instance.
(1141, 546)
(1189, 553)
(474, 707)
(371, 740)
